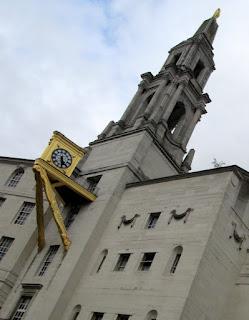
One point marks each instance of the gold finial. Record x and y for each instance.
(217, 13)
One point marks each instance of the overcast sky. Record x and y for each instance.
(74, 65)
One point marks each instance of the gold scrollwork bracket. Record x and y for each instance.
(42, 181)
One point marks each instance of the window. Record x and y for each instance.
(76, 312)
(146, 261)
(176, 115)
(102, 258)
(122, 261)
(176, 58)
(47, 259)
(15, 177)
(152, 315)
(97, 316)
(71, 215)
(152, 220)
(92, 182)
(21, 308)
(176, 258)
(198, 69)
(5, 244)
(123, 317)
(2, 201)
(24, 212)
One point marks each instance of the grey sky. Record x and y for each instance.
(73, 66)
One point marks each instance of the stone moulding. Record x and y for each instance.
(131, 221)
(179, 216)
(235, 235)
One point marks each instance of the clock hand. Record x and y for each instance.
(62, 160)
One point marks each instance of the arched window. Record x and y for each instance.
(76, 312)
(176, 115)
(15, 178)
(152, 315)
(101, 260)
(175, 258)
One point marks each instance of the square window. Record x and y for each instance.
(146, 261)
(123, 317)
(97, 316)
(122, 261)
(152, 220)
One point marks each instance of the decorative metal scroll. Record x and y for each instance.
(179, 216)
(131, 221)
(238, 238)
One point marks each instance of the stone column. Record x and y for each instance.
(179, 127)
(155, 98)
(173, 101)
(191, 127)
(157, 112)
(130, 109)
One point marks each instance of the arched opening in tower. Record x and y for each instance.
(176, 115)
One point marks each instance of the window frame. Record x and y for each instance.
(23, 213)
(96, 314)
(122, 261)
(15, 178)
(4, 249)
(47, 260)
(143, 263)
(152, 220)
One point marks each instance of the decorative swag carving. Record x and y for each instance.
(128, 221)
(179, 216)
(238, 238)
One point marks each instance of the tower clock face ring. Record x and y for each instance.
(61, 158)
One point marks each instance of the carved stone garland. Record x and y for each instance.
(238, 238)
(180, 216)
(131, 221)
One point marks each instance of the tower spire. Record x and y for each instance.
(169, 104)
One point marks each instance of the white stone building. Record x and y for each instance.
(158, 242)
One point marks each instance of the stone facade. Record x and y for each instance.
(158, 242)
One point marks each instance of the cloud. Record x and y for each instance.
(73, 66)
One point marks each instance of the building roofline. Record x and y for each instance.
(241, 173)
(16, 160)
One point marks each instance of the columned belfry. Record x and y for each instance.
(169, 104)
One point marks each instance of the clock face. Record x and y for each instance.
(61, 158)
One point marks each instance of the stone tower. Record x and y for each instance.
(127, 244)
(169, 104)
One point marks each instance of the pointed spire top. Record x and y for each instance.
(209, 27)
(216, 13)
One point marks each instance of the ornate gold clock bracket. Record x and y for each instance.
(50, 176)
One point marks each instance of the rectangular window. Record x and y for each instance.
(92, 182)
(97, 316)
(47, 259)
(2, 201)
(123, 317)
(5, 244)
(122, 261)
(152, 220)
(146, 261)
(24, 212)
(71, 215)
(21, 307)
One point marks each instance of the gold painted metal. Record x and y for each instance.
(216, 13)
(58, 140)
(49, 177)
